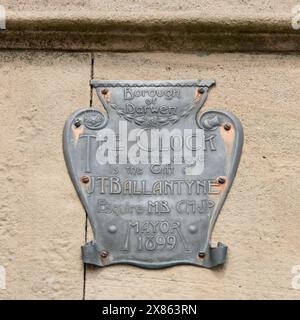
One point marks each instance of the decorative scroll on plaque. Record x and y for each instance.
(152, 171)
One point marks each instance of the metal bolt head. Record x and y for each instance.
(221, 180)
(77, 123)
(201, 90)
(201, 255)
(104, 91)
(104, 254)
(85, 179)
(227, 126)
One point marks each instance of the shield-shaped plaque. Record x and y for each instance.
(152, 172)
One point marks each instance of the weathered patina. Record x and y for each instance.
(154, 214)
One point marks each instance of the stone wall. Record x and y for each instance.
(42, 223)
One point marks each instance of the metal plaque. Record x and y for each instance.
(152, 171)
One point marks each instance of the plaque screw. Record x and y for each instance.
(201, 90)
(77, 123)
(201, 255)
(104, 254)
(221, 180)
(85, 179)
(104, 91)
(227, 126)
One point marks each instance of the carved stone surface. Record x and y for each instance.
(152, 215)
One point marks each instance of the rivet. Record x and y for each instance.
(104, 91)
(77, 123)
(85, 179)
(104, 254)
(201, 255)
(201, 90)
(227, 126)
(221, 180)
